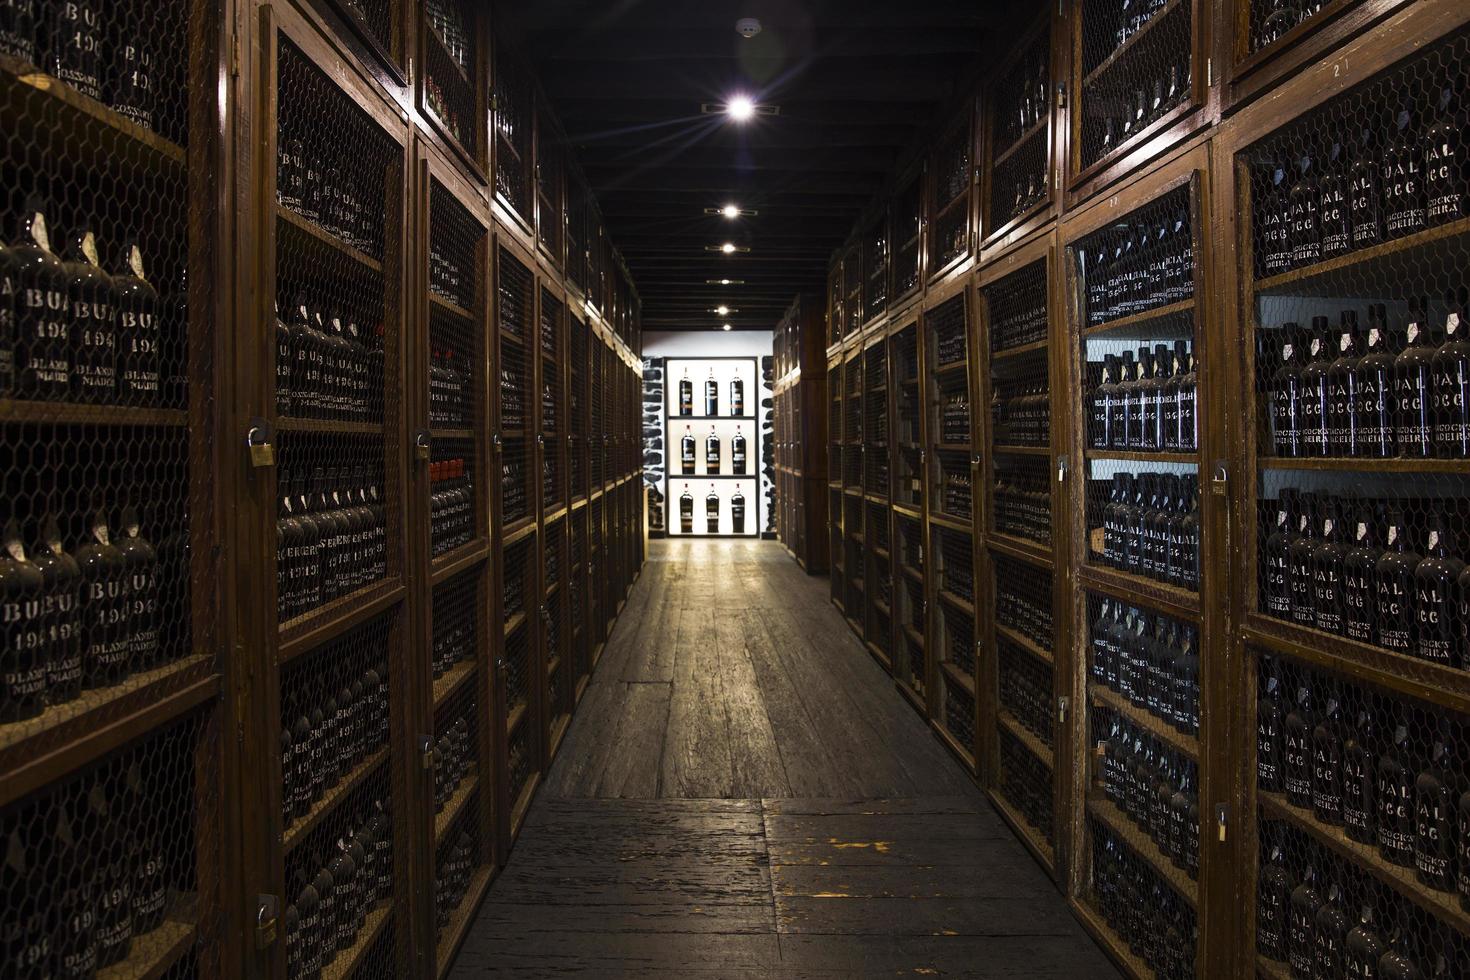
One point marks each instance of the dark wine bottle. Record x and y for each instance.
(1395, 795)
(1327, 760)
(1315, 399)
(18, 40)
(1299, 561)
(1439, 630)
(737, 396)
(1276, 560)
(63, 614)
(90, 300)
(1434, 813)
(1132, 394)
(1445, 150)
(1403, 174)
(1344, 400)
(737, 512)
(738, 457)
(1364, 946)
(1327, 570)
(1297, 744)
(1365, 198)
(140, 562)
(132, 78)
(1451, 401)
(1413, 386)
(1304, 228)
(712, 452)
(78, 44)
(1332, 200)
(711, 395)
(1330, 935)
(1301, 924)
(686, 395)
(1359, 576)
(36, 279)
(1377, 426)
(139, 378)
(1359, 761)
(23, 642)
(712, 510)
(1273, 220)
(106, 651)
(686, 452)
(112, 873)
(75, 911)
(1399, 962)
(1394, 587)
(1117, 406)
(1270, 732)
(686, 511)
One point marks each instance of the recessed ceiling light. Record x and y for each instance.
(733, 211)
(722, 310)
(730, 211)
(729, 248)
(724, 282)
(741, 108)
(728, 327)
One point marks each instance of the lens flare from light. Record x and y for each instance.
(741, 108)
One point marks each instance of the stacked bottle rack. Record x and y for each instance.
(1018, 106)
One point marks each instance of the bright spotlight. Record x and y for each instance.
(728, 248)
(730, 211)
(741, 108)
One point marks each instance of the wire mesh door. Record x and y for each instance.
(553, 403)
(908, 418)
(578, 399)
(1018, 181)
(876, 464)
(952, 172)
(515, 317)
(560, 683)
(451, 77)
(951, 424)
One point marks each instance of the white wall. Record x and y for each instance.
(709, 343)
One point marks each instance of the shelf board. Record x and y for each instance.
(112, 416)
(153, 953)
(712, 418)
(965, 755)
(1141, 844)
(882, 607)
(449, 306)
(459, 70)
(522, 804)
(460, 921)
(1007, 449)
(515, 622)
(1180, 308)
(915, 637)
(302, 828)
(347, 961)
(952, 523)
(64, 110)
(1436, 239)
(961, 605)
(1444, 906)
(951, 447)
(1006, 353)
(1171, 599)
(438, 432)
(329, 427)
(1036, 129)
(1025, 643)
(1419, 679)
(1113, 945)
(514, 718)
(1026, 737)
(451, 680)
(1131, 456)
(452, 563)
(310, 236)
(1019, 548)
(698, 477)
(445, 818)
(1024, 830)
(1127, 46)
(885, 660)
(1272, 970)
(912, 573)
(957, 676)
(552, 664)
(1160, 729)
(1361, 464)
(330, 620)
(950, 367)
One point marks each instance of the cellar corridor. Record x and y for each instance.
(765, 806)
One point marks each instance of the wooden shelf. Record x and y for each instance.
(438, 432)
(112, 416)
(515, 622)
(1141, 844)
(449, 306)
(964, 754)
(302, 828)
(957, 676)
(514, 719)
(1020, 549)
(153, 953)
(1272, 970)
(457, 561)
(1444, 906)
(1024, 830)
(1123, 50)
(452, 679)
(959, 604)
(329, 427)
(1113, 945)
(914, 635)
(1036, 129)
(1003, 449)
(1025, 643)
(912, 573)
(952, 523)
(1181, 308)
(347, 961)
(307, 236)
(446, 817)
(1366, 465)
(712, 418)
(1026, 737)
(1436, 240)
(1160, 596)
(328, 621)
(464, 915)
(61, 113)
(1131, 456)
(951, 367)
(1006, 353)
(1160, 729)
(951, 447)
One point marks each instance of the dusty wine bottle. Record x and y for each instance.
(63, 614)
(90, 295)
(43, 355)
(23, 646)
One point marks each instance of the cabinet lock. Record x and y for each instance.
(258, 444)
(267, 908)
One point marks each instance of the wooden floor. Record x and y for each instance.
(744, 793)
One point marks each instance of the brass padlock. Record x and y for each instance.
(421, 446)
(258, 443)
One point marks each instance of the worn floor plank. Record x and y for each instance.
(744, 794)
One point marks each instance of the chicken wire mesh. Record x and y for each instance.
(598, 417)
(907, 483)
(1271, 20)
(1362, 866)
(875, 420)
(852, 291)
(457, 251)
(875, 265)
(1020, 402)
(456, 640)
(836, 317)
(1016, 308)
(855, 556)
(954, 166)
(577, 594)
(335, 714)
(458, 855)
(1158, 925)
(1024, 687)
(511, 101)
(956, 563)
(103, 870)
(521, 761)
(1026, 782)
(1148, 659)
(958, 715)
(454, 757)
(1024, 600)
(834, 423)
(578, 403)
(553, 402)
(450, 65)
(1136, 65)
(852, 423)
(956, 638)
(1020, 140)
(835, 544)
(551, 218)
(907, 219)
(1021, 497)
(373, 17)
(1146, 523)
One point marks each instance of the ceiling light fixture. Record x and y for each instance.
(724, 282)
(723, 310)
(740, 108)
(728, 327)
(729, 248)
(733, 211)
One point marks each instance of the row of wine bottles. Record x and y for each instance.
(1020, 413)
(1017, 320)
(331, 535)
(1149, 404)
(954, 417)
(329, 365)
(335, 716)
(1383, 393)
(713, 455)
(1158, 925)
(1375, 180)
(452, 878)
(353, 876)
(450, 376)
(73, 331)
(711, 511)
(1150, 659)
(1023, 600)
(711, 395)
(1349, 567)
(454, 631)
(1150, 527)
(1024, 686)
(453, 756)
(1368, 764)
(88, 618)
(1323, 918)
(1274, 19)
(333, 194)
(1021, 501)
(83, 875)
(1141, 264)
(448, 277)
(103, 50)
(514, 499)
(1028, 86)
(957, 490)
(451, 506)
(1026, 782)
(1155, 786)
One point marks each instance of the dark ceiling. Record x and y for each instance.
(856, 81)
